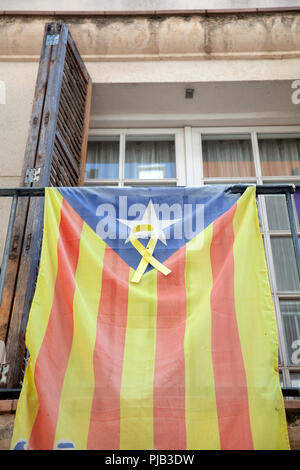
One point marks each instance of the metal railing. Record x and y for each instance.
(269, 189)
(15, 193)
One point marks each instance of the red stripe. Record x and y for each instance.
(104, 431)
(228, 365)
(169, 376)
(54, 354)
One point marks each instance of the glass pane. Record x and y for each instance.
(285, 264)
(281, 379)
(279, 154)
(102, 159)
(278, 218)
(290, 312)
(295, 380)
(227, 155)
(150, 157)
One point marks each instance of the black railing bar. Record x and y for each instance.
(7, 245)
(22, 192)
(290, 392)
(9, 393)
(265, 188)
(14, 393)
(235, 188)
(16, 192)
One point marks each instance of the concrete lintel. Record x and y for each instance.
(194, 71)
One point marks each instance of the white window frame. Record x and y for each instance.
(199, 179)
(180, 177)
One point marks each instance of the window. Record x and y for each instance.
(227, 155)
(102, 160)
(136, 157)
(150, 157)
(279, 154)
(263, 155)
(198, 156)
(285, 264)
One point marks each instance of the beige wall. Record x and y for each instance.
(19, 79)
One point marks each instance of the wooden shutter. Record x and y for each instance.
(56, 149)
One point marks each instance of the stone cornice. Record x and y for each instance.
(172, 12)
(170, 37)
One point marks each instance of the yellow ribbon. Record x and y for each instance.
(146, 253)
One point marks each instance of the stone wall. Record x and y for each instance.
(8, 408)
(7, 416)
(293, 420)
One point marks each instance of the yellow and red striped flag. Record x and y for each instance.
(166, 344)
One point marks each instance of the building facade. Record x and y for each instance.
(181, 96)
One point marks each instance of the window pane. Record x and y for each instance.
(285, 264)
(150, 157)
(279, 154)
(295, 380)
(227, 155)
(278, 218)
(102, 159)
(290, 312)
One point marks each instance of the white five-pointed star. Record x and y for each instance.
(150, 218)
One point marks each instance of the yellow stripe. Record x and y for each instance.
(78, 387)
(255, 314)
(136, 413)
(201, 412)
(39, 314)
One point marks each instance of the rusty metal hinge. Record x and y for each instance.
(52, 39)
(32, 174)
(4, 368)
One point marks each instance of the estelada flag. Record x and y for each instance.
(152, 324)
